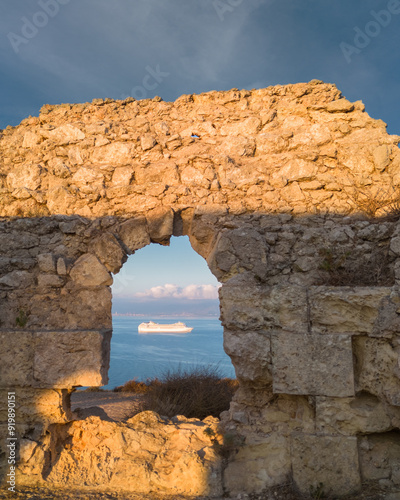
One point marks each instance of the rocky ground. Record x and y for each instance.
(107, 405)
(279, 493)
(119, 406)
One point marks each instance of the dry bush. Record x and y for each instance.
(136, 386)
(377, 203)
(194, 393)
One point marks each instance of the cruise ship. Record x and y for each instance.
(152, 327)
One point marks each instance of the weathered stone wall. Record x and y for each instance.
(273, 188)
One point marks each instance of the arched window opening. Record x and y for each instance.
(164, 285)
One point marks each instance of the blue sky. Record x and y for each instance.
(166, 280)
(55, 51)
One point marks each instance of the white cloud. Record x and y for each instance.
(190, 292)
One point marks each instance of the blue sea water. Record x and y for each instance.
(140, 356)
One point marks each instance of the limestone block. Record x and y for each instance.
(147, 453)
(122, 176)
(298, 170)
(25, 176)
(161, 223)
(395, 245)
(163, 172)
(237, 146)
(61, 267)
(380, 457)
(345, 309)
(250, 249)
(60, 200)
(115, 154)
(252, 307)
(246, 127)
(259, 465)
(83, 309)
(147, 142)
(191, 176)
(67, 359)
(340, 106)
(36, 409)
(88, 271)
(32, 461)
(88, 179)
(46, 263)
(388, 322)
(17, 279)
(202, 236)
(109, 252)
(377, 367)
(351, 416)
(66, 134)
(381, 157)
(50, 280)
(16, 366)
(250, 353)
(30, 140)
(71, 306)
(312, 364)
(134, 234)
(330, 460)
(286, 414)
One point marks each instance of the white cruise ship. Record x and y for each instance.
(152, 327)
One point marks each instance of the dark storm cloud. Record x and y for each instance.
(98, 48)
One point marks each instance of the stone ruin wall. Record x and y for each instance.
(274, 188)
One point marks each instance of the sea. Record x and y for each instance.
(142, 356)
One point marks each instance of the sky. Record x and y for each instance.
(167, 281)
(59, 51)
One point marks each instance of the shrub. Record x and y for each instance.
(195, 393)
(136, 386)
(377, 202)
(93, 388)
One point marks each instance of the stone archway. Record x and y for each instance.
(276, 192)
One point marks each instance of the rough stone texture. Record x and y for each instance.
(68, 359)
(378, 368)
(254, 307)
(380, 458)
(330, 460)
(88, 271)
(274, 149)
(109, 252)
(146, 454)
(259, 465)
(345, 310)
(37, 410)
(16, 367)
(312, 364)
(352, 416)
(134, 234)
(250, 353)
(276, 192)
